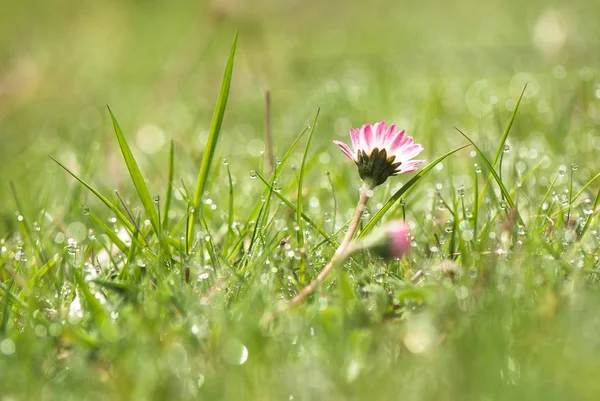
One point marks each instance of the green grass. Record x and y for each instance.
(147, 260)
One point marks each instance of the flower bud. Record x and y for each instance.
(392, 241)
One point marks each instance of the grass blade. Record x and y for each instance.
(505, 192)
(587, 184)
(110, 233)
(211, 144)
(502, 142)
(169, 193)
(507, 129)
(589, 220)
(46, 267)
(12, 297)
(301, 181)
(118, 214)
(279, 168)
(230, 214)
(305, 217)
(136, 175)
(403, 190)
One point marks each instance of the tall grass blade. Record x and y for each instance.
(278, 170)
(503, 189)
(301, 181)
(211, 144)
(169, 194)
(136, 176)
(500, 149)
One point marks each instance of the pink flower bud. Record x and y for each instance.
(398, 238)
(391, 241)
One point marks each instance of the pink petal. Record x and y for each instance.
(408, 170)
(355, 136)
(389, 135)
(408, 140)
(395, 143)
(367, 138)
(408, 152)
(404, 167)
(345, 149)
(379, 133)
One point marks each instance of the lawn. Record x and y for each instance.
(153, 249)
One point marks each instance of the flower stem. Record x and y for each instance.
(342, 252)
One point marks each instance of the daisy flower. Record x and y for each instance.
(380, 152)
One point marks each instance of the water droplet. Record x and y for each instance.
(85, 210)
(586, 207)
(20, 217)
(563, 199)
(225, 162)
(253, 174)
(574, 167)
(449, 226)
(506, 149)
(156, 198)
(502, 204)
(235, 353)
(441, 205)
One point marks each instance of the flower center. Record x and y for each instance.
(377, 166)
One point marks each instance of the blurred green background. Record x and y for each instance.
(494, 325)
(426, 65)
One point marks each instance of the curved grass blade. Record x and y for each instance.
(136, 175)
(589, 220)
(169, 194)
(12, 297)
(25, 229)
(577, 195)
(305, 217)
(269, 188)
(211, 144)
(118, 214)
(540, 208)
(403, 190)
(301, 181)
(502, 142)
(278, 170)
(505, 192)
(230, 212)
(587, 184)
(46, 267)
(121, 287)
(110, 233)
(98, 313)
